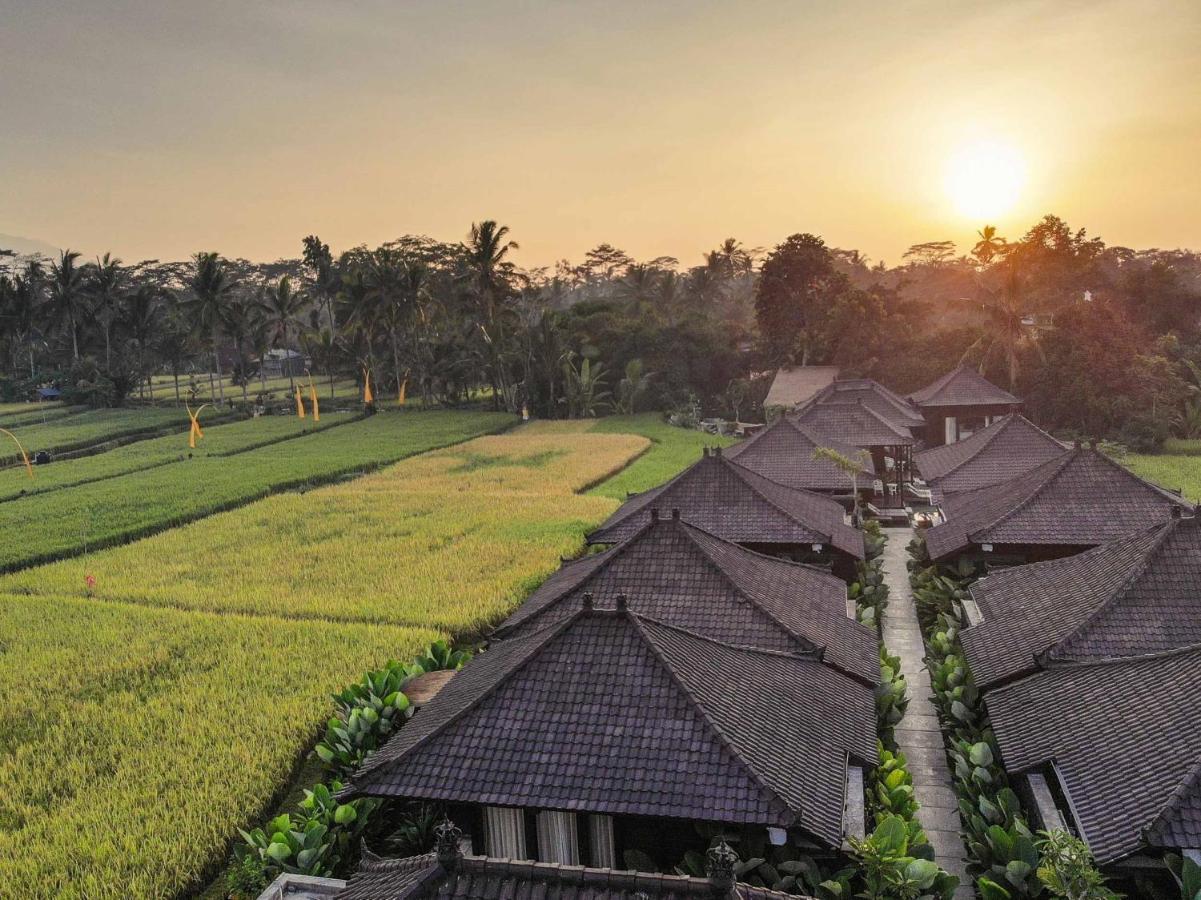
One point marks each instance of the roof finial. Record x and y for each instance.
(447, 836)
(675, 513)
(1176, 511)
(587, 599)
(720, 862)
(621, 602)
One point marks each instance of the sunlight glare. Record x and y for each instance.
(984, 178)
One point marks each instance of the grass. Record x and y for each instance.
(133, 740)
(163, 388)
(89, 516)
(95, 426)
(1175, 471)
(451, 539)
(219, 440)
(13, 414)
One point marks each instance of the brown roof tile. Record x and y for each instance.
(1079, 499)
(1125, 739)
(854, 424)
(963, 386)
(1005, 449)
(783, 452)
(610, 712)
(739, 505)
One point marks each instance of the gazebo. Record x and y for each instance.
(959, 404)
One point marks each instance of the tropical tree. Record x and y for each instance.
(142, 317)
(105, 285)
(797, 285)
(631, 388)
(1004, 335)
(387, 292)
(489, 284)
(281, 306)
(326, 277)
(586, 393)
(853, 467)
(990, 245)
(67, 295)
(210, 288)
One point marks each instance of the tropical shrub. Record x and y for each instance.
(1187, 874)
(1066, 868)
(890, 865)
(891, 699)
(892, 788)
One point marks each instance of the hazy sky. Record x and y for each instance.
(156, 128)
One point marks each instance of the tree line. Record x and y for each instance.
(1102, 341)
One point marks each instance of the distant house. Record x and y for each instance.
(739, 505)
(611, 730)
(959, 404)
(1075, 501)
(889, 405)
(283, 364)
(47, 393)
(1005, 449)
(793, 386)
(784, 453)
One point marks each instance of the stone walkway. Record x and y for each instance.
(918, 734)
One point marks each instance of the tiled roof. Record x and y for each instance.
(674, 572)
(610, 712)
(483, 878)
(739, 505)
(1005, 449)
(783, 452)
(893, 407)
(1134, 596)
(798, 385)
(963, 386)
(854, 424)
(1125, 739)
(1079, 499)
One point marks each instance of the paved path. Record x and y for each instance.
(918, 735)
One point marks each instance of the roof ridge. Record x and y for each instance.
(748, 477)
(814, 655)
(1191, 778)
(722, 737)
(1054, 651)
(373, 762)
(1058, 464)
(1122, 660)
(1004, 423)
(1118, 467)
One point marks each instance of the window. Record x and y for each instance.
(558, 838)
(504, 832)
(602, 850)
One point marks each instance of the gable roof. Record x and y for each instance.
(610, 712)
(797, 385)
(1125, 740)
(739, 505)
(854, 424)
(1138, 595)
(673, 572)
(1006, 448)
(487, 878)
(962, 386)
(783, 453)
(1079, 499)
(875, 396)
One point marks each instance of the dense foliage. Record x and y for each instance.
(1100, 340)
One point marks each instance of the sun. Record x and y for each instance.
(984, 178)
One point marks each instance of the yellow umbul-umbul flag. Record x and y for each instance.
(367, 397)
(400, 396)
(299, 403)
(313, 402)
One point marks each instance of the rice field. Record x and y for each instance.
(162, 387)
(89, 516)
(133, 741)
(1174, 471)
(148, 715)
(219, 440)
(90, 428)
(13, 414)
(451, 539)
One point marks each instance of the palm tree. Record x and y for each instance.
(23, 311)
(488, 270)
(105, 286)
(1005, 335)
(239, 323)
(67, 295)
(142, 316)
(211, 289)
(326, 277)
(387, 293)
(990, 245)
(282, 306)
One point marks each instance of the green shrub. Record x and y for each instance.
(891, 697)
(1067, 870)
(894, 861)
(1187, 874)
(892, 787)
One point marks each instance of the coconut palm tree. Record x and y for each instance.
(387, 294)
(211, 288)
(990, 245)
(143, 314)
(486, 252)
(282, 307)
(67, 295)
(1005, 336)
(106, 283)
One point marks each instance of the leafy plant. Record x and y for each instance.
(891, 699)
(889, 867)
(1067, 869)
(1187, 874)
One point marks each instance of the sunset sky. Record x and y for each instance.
(156, 129)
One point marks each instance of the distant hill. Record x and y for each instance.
(25, 246)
